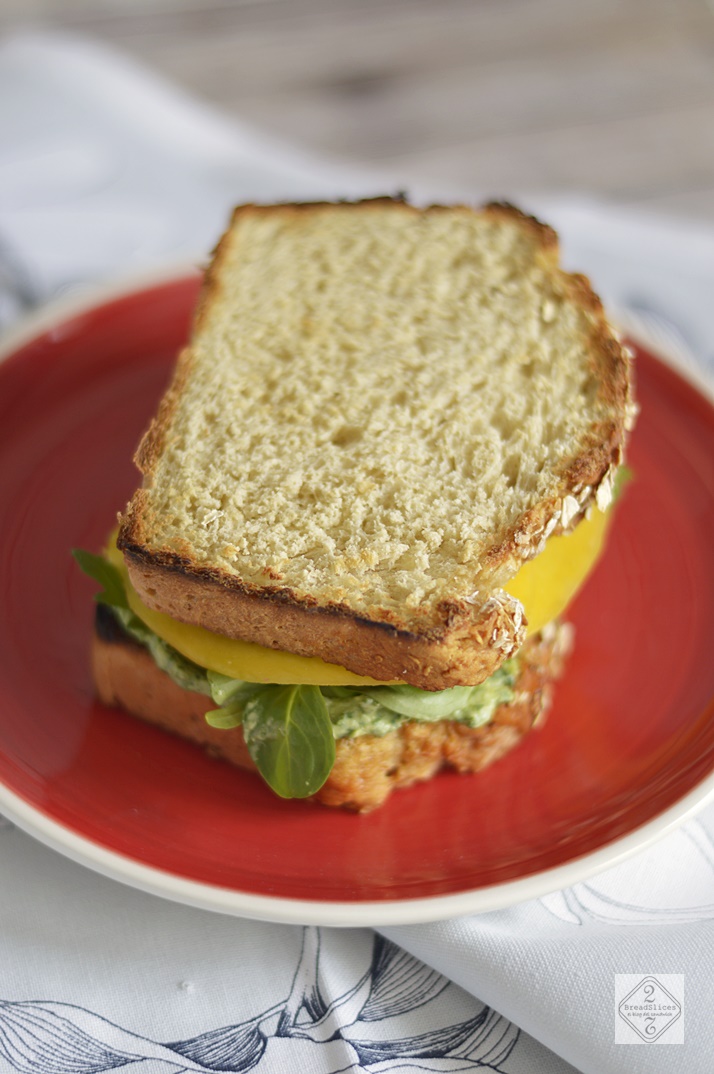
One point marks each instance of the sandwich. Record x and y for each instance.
(382, 469)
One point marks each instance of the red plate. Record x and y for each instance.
(627, 751)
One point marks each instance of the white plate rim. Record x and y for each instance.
(346, 914)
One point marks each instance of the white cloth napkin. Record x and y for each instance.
(105, 170)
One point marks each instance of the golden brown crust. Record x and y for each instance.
(457, 642)
(367, 768)
(152, 442)
(463, 652)
(544, 235)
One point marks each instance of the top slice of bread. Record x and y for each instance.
(381, 413)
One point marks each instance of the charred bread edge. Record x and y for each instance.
(466, 651)
(366, 768)
(465, 642)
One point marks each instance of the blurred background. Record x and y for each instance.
(609, 97)
(128, 128)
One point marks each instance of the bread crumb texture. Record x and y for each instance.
(374, 399)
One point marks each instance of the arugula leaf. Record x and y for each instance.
(289, 735)
(102, 571)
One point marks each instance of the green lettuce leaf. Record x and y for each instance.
(102, 571)
(471, 705)
(290, 731)
(230, 695)
(289, 735)
(622, 478)
(420, 704)
(222, 687)
(226, 717)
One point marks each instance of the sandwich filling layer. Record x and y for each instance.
(291, 731)
(353, 711)
(367, 767)
(293, 709)
(544, 586)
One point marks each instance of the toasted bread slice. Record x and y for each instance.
(367, 768)
(382, 412)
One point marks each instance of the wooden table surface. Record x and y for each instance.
(607, 97)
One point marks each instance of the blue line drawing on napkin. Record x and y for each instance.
(304, 1032)
(691, 854)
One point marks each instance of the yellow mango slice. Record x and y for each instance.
(544, 585)
(229, 656)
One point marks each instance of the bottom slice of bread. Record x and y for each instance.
(367, 768)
